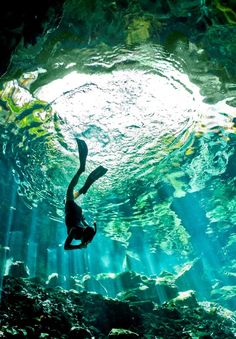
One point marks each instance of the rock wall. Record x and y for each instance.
(22, 22)
(211, 24)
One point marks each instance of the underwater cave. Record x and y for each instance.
(150, 86)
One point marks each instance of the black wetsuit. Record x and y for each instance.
(74, 218)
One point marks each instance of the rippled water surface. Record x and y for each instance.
(141, 117)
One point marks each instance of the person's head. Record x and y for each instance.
(88, 234)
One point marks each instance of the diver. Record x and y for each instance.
(77, 227)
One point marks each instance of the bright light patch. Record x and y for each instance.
(125, 107)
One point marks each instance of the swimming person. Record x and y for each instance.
(77, 227)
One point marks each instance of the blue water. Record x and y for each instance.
(165, 129)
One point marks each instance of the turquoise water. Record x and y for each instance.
(162, 122)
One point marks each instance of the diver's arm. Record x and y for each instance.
(84, 222)
(74, 247)
(68, 246)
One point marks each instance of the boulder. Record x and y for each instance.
(18, 269)
(92, 284)
(153, 291)
(116, 283)
(192, 276)
(55, 280)
(120, 332)
(225, 296)
(186, 298)
(79, 332)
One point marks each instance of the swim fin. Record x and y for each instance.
(83, 152)
(93, 176)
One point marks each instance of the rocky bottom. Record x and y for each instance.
(31, 309)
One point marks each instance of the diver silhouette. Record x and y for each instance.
(77, 227)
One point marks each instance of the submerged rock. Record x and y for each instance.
(110, 284)
(130, 285)
(192, 276)
(18, 269)
(31, 310)
(138, 31)
(79, 332)
(225, 295)
(153, 291)
(121, 333)
(55, 280)
(187, 298)
(92, 284)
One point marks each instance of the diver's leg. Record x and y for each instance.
(83, 152)
(72, 184)
(95, 175)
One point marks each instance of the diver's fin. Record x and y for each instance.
(93, 176)
(83, 152)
